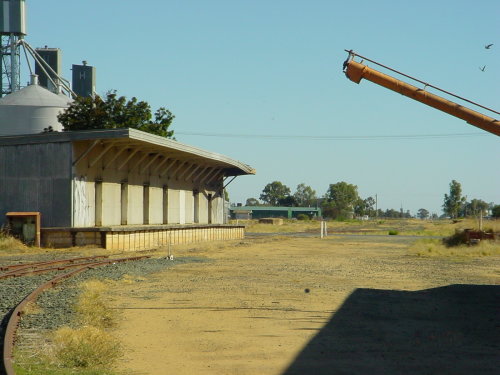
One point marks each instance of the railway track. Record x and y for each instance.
(77, 265)
(23, 269)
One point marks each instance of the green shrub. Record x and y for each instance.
(393, 232)
(303, 217)
(457, 239)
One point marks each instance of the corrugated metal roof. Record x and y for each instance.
(136, 138)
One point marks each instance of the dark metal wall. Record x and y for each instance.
(37, 177)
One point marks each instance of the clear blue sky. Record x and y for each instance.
(241, 72)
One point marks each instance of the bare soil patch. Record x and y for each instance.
(341, 305)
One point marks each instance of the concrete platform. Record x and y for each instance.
(139, 237)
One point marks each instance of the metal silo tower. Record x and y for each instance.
(12, 30)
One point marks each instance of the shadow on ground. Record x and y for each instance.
(447, 330)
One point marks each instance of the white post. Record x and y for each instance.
(169, 247)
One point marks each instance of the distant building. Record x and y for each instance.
(257, 212)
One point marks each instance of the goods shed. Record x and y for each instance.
(119, 188)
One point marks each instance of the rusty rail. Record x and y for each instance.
(30, 271)
(21, 266)
(15, 318)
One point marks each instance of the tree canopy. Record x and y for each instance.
(423, 213)
(114, 112)
(288, 201)
(304, 195)
(274, 192)
(475, 207)
(340, 200)
(453, 202)
(495, 211)
(252, 202)
(364, 207)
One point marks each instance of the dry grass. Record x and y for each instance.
(84, 347)
(32, 308)
(90, 345)
(383, 226)
(92, 308)
(88, 349)
(435, 247)
(9, 243)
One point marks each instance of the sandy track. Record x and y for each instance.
(245, 310)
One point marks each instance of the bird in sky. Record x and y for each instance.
(488, 46)
(483, 68)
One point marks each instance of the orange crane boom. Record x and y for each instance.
(356, 72)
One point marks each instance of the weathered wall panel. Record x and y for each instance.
(203, 207)
(217, 210)
(173, 206)
(155, 205)
(189, 206)
(135, 204)
(111, 204)
(37, 177)
(83, 212)
(182, 207)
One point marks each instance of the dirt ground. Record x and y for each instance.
(341, 305)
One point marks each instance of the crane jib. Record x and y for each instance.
(356, 72)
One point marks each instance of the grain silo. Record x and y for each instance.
(31, 110)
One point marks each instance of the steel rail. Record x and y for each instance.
(37, 271)
(15, 317)
(21, 266)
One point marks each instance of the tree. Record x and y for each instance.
(340, 200)
(288, 201)
(475, 207)
(252, 202)
(392, 213)
(114, 112)
(359, 207)
(422, 214)
(364, 207)
(453, 202)
(305, 196)
(370, 206)
(273, 192)
(495, 211)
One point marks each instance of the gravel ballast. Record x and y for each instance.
(55, 305)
